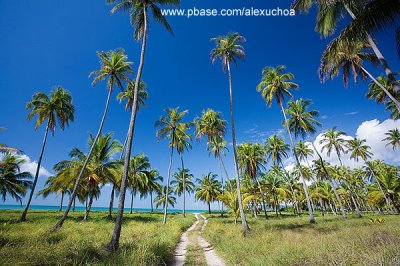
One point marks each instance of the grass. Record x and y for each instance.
(144, 240)
(293, 241)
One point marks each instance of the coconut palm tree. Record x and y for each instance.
(251, 162)
(393, 138)
(358, 149)
(333, 139)
(13, 182)
(182, 183)
(184, 139)
(212, 125)
(114, 68)
(127, 95)
(302, 122)
(173, 128)
(366, 16)
(54, 185)
(98, 170)
(138, 178)
(229, 50)
(208, 189)
(276, 85)
(154, 180)
(389, 179)
(349, 59)
(56, 108)
(139, 18)
(275, 188)
(162, 198)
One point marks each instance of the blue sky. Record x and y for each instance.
(47, 43)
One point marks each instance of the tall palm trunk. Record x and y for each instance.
(114, 242)
(132, 198)
(350, 188)
(167, 186)
(262, 199)
(110, 208)
(61, 202)
(73, 208)
(78, 180)
(151, 201)
(380, 187)
(396, 102)
(209, 207)
(310, 211)
(344, 216)
(379, 55)
(184, 187)
(245, 227)
(25, 212)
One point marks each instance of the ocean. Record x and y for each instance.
(82, 208)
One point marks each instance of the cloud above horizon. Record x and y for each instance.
(373, 131)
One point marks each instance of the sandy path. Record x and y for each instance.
(211, 256)
(180, 250)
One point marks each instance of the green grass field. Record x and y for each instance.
(144, 240)
(293, 241)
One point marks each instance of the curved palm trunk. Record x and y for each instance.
(262, 198)
(25, 212)
(61, 202)
(78, 180)
(380, 187)
(89, 206)
(379, 55)
(209, 207)
(114, 242)
(310, 211)
(396, 102)
(344, 216)
(167, 186)
(110, 208)
(245, 227)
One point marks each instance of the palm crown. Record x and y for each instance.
(228, 49)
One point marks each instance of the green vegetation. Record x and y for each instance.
(293, 241)
(143, 240)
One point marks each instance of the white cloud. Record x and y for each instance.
(352, 113)
(30, 167)
(373, 131)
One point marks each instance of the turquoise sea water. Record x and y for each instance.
(82, 208)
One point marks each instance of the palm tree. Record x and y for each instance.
(54, 108)
(138, 178)
(153, 184)
(275, 188)
(333, 139)
(208, 190)
(388, 177)
(163, 197)
(212, 125)
(183, 144)
(276, 85)
(393, 138)
(358, 149)
(251, 161)
(171, 127)
(138, 11)
(127, 95)
(349, 59)
(229, 51)
(302, 122)
(182, 183)
(114, 67)
(54, 185)
(98, 170)
(366, 16)
(12, 180)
